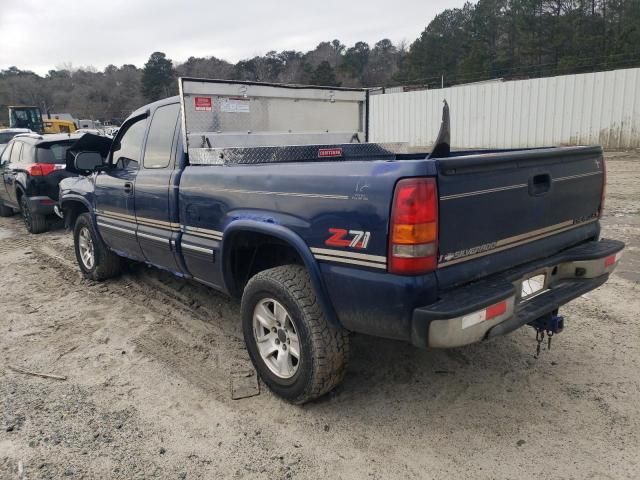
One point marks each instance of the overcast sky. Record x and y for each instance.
(41, 34)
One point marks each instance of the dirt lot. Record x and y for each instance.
(150, 360)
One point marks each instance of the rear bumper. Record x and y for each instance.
(569, 274)
(41, 205)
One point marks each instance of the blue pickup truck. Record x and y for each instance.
(274, 194)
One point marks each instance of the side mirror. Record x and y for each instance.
(88, 161)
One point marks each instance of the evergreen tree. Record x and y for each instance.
(324, 75)
(157, 77)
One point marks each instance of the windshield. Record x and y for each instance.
(25, 117)
(53, 152)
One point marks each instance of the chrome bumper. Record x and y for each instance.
(494, 306)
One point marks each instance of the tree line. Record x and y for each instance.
(510, 39)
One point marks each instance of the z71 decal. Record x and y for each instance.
(348, 238)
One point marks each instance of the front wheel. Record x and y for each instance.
(298, 353)
(96, 261)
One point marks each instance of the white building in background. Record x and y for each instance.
(592, 108)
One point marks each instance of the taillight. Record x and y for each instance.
(604, 187)
(413, 234)
(612, 259)
(485, 314)
(41, 169)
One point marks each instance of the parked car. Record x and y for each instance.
(31, 166)
(265, 192)
(92, 131)
(6, 134)
(110, 132)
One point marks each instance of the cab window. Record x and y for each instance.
(28, 153)
(16, 151)
(161, 133)
(4, 158)
(127, 153)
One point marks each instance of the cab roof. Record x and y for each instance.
(35, 138)
(15, 130)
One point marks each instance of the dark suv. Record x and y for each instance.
(31, 166)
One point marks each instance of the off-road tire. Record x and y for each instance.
(34, 222)
(6, 211)
(324, 346)
(106, 264)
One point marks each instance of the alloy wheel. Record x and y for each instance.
(276, 337)
(86, 249)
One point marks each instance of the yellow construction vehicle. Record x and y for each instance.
(26, 117)
(54, 125)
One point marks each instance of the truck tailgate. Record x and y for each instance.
(501, 209)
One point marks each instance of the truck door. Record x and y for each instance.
(115, 207)
(156, 199)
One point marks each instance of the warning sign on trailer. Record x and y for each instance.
(203, 104)
(235, 105)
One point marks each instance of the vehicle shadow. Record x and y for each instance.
(55, 223)
(444, 384)
(383, 371)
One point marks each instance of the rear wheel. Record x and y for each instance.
(35, 222)
(6, 211)
(96, 261)
(298, 353)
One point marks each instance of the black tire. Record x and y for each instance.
(324, 347)
(6, 211)
(106, 264)
(34, 222)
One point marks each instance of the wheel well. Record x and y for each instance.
(72, 209)
(253, 252)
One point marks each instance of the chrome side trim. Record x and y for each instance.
(118, 215)
(202, 232)
(149, 222)
(582, 175)
(514, 187)
(154, 237)
(351, 261)
(186, 246)
(283, 194)
(533, 233)
(513, 244)
(483, 192)
(346, 254)
(119, 229)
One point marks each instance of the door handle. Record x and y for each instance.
(539, 184)
(128, 187)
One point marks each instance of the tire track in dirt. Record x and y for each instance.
(183, 337)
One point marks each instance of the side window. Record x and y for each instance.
(160, 140)
(15, 153)
(127, 155)
(28, 153)
(4, 158)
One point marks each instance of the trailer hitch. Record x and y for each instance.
(551, 324)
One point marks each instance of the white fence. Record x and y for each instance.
(593, 108)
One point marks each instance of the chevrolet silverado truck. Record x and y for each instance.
(274, 194)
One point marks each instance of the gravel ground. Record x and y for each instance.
(150, 361)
